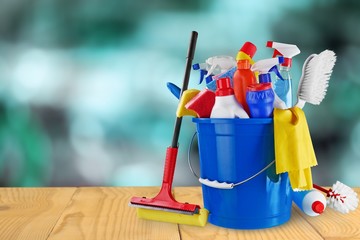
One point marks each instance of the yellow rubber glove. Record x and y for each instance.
(294, 152)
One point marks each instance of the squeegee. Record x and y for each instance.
(163, 207)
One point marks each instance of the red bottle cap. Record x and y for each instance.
(318, 207)
(223, 87)
(243, 64)
(249, 48)
(259, 87)
(287, 62)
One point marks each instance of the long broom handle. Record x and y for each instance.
(189, 58)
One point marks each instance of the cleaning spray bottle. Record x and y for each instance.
(260, 97)
(283, 87)
(243, 77)
(312, 202)
(215, 65)
(219, 67)
(226, 105)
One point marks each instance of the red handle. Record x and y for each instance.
(170, 163)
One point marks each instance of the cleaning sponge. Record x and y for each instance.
(202, 103)
(186, 96)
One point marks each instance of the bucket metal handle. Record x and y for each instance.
(215, 183)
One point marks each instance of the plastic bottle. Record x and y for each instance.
(246, 52)
(312, 202)
(243, 77)
(260, 99)
(283, 87)
(226, 105)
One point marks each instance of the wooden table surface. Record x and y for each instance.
(103, 213)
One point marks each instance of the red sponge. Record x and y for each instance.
(202, 103)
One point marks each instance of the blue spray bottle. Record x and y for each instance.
(260, 97)
(283, 86)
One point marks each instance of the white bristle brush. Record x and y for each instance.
(314, 80)
(340, 197)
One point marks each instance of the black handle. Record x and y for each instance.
(189, 58)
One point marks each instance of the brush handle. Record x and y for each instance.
(320, 188)
(300, 103)
(189, 58)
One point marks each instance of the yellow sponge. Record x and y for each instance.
(163, 216)
(185, 98)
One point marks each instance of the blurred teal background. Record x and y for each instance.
(83, 97)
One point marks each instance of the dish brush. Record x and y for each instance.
(314, 80)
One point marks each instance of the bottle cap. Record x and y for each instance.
(318, 207)
(224, 87)
(249, 48)
(243, 64)
(287, 62)
(265, 78)
(258, 87)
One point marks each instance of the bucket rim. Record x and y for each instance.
(233, 120)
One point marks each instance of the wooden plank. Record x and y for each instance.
(103, 213)
(296, 228)
(335, 225)
(31, 213)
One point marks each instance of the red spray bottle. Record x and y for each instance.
(243, 77)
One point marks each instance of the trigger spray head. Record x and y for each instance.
(288, 51)
(266, 66)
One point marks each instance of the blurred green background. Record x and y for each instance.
(83, 97)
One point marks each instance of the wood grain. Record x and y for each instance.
(31, 213)
(103, 213)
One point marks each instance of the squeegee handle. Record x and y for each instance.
(189, 58)
(169, 168)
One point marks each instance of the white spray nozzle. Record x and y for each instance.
(286, 50)
(266, 65)
(223, 63)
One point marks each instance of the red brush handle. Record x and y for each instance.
(321, 188)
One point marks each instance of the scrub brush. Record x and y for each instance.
(340, 197)
(314, 80)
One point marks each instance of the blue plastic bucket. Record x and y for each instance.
(230, 151)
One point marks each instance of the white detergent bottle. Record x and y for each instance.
(312, 203)
(226, 105)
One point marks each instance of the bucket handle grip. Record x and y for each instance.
(217, 184)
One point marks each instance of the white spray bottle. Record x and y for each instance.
(312, 202)
(283, 87)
